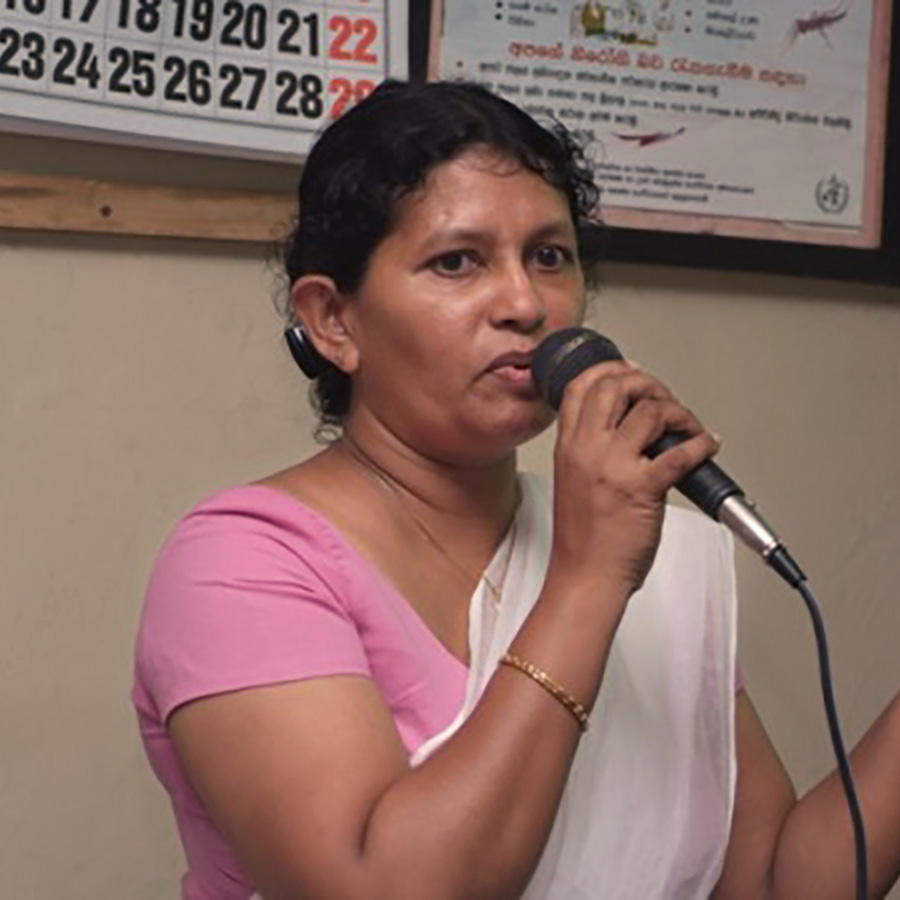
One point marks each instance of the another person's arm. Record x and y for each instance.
(783, 848)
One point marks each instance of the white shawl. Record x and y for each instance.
(647, 809)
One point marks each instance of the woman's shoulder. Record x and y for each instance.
(250, 588)
(255, 501)
(250, 529)
(254, 504)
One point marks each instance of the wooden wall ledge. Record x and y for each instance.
(105, 207)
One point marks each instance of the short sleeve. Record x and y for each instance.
(243, 595)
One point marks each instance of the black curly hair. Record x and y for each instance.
(381, 150)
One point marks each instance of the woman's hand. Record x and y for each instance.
(609, 497)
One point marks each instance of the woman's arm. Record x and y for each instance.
(786, 848)
(309, 781)
(310, 785)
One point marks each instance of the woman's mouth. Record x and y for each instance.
(513, 368)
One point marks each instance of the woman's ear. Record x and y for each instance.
(321, 307)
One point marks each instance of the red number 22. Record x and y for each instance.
(344, 28)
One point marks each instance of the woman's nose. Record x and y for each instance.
(517, 301)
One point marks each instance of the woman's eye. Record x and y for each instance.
(457, 262)
(551, 256)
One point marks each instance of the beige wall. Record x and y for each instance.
(136, 376)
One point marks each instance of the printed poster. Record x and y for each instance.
(761, 118)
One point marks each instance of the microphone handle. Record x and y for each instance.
(707, 486)
(721, 498)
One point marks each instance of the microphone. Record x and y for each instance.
(565, 354)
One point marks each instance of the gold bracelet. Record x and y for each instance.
(549, 685)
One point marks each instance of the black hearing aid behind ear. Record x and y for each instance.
(305, 354)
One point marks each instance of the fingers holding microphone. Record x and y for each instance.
(669, 437)
(609, 493)
(605, 393)
(681, 456)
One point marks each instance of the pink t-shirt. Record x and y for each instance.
(253, 588)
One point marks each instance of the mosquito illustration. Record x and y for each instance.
(645, 140)
(818, 22)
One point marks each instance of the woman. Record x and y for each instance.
(368, 675)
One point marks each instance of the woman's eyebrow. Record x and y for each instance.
(456, 236)
(557, 228)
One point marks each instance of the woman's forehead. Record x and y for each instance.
(476, 162)
(480, 183)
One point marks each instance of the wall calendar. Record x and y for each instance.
(253, 78)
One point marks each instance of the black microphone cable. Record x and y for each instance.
(564, 355)
(837, 742)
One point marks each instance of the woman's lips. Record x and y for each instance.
(513, 368)
(514, 375)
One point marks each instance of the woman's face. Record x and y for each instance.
(481, 265)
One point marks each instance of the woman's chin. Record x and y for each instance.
(518, 427)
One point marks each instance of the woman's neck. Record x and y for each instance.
(443, 494)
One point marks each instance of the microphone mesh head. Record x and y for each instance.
(564, 355)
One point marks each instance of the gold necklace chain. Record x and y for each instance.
(398, 492)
